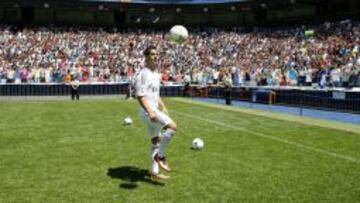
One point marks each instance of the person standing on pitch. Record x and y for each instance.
(228, 85)
(74, 89)
(161, 127)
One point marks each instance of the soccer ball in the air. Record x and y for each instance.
(197, 143)
(128, 121)
(178, 34)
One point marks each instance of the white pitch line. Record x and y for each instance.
(321, 151)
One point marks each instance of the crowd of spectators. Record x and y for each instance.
(263, 56)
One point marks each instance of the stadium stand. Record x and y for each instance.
(47, 42)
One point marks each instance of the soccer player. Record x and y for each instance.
(161, 127)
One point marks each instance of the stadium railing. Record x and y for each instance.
(56, 89)
(337, 99)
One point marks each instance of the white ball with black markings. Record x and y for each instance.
(179, 34)
(197, 144)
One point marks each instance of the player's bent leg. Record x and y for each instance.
(155, 175)
(169, 132)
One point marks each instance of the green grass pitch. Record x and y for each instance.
(64, 151)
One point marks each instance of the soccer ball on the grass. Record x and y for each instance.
(128, 121)
(178, 34)
(197, 144)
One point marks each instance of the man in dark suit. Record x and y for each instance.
(75, 89)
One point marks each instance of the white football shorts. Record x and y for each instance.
(155, 127)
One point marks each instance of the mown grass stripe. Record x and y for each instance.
(332, 154)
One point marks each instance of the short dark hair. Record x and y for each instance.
(148, 49)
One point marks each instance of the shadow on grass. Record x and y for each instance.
(132, 175)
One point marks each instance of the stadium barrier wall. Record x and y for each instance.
(84, 89)
(60, 89)
(327, 99)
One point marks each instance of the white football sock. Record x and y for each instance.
(165, 140)
(154, 164)
(154, 167)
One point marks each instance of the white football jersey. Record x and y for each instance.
(147, 84)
